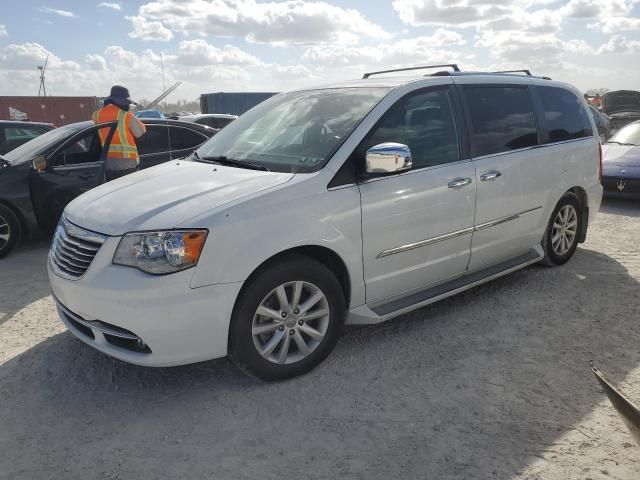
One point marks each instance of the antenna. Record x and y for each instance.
(42, 69)
(164, 88)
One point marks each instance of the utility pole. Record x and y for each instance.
(42, 69)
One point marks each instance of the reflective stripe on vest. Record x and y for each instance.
(123, 142)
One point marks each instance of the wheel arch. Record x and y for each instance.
(24, 226)
(584, 203)
(324, 255)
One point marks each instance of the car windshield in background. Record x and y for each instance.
(294, 132)
(27, 151)
(629, 135)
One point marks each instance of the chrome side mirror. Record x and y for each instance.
(388, 158)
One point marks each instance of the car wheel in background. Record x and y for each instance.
(10, 230)
(561, 236)
(287, 319)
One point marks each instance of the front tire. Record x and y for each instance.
(10, 231)
(561, 236)
(287, 320)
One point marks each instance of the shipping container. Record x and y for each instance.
(234, 103)
(56, 110)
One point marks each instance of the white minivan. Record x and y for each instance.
(351, 203)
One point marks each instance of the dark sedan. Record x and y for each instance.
(38, 179)
(621, 164)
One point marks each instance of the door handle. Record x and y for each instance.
(459, 182)
(490, 176)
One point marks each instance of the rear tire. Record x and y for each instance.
(10, 230)
(563, 230)
(287, 319)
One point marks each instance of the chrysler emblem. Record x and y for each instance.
(621, 185)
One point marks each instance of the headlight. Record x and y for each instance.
(161, 252)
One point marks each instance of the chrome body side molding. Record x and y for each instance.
(457, 233)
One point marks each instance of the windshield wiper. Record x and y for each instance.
(623, 144)
(4, 163)
(222, 160)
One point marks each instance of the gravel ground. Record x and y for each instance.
(494, 383)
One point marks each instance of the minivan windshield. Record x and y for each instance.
(294, 132)
(628, 135)
(38, 145)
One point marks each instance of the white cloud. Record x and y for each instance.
(401, 52)
(54, 11)
(199, 52)
(616, 24)
(112, 6)
(27, 56)
(225, 68)
(95, 62)
(144, 29)
(284, 22)
(440, 12)
(3, 31)
(619, 44)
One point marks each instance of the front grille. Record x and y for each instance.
(73, 249)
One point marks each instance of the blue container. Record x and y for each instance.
(234, 103)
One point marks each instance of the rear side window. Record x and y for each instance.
(183, 138)
(502, 119)
(156, 140)
(564, 115)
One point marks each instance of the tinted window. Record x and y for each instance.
(16, 136)
(86, 148)
(212, 122)
(27, 151)
(183, 138)
(564, 115)
(156, 140)
(425, 123)
(502, 119)
(296, 131)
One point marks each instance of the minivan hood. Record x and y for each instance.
(621, 155)
(165, 196)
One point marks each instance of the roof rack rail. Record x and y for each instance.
(451, 65)
(526, 72)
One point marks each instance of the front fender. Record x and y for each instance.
(246, 235)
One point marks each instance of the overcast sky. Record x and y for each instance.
(250, 45)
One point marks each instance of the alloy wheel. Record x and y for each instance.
(290, 322)
(5, 232)
(564, 230)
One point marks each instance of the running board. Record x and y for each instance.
(365, 315)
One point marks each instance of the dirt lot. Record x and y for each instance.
(494, 383)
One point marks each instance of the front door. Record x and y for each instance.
(76, 167)
(417, 226)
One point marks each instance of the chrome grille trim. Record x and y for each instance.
(73, 249)
(98, 325)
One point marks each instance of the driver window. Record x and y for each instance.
(87, 148)
(425, 123)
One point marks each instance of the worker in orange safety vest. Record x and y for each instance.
(122, 157)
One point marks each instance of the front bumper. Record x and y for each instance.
(175, 324)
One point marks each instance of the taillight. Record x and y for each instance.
(600, 164)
